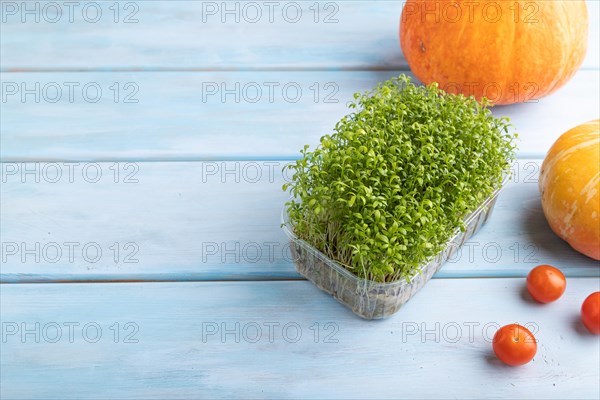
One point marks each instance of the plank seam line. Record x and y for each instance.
(49, 281)
(382, 68)
(399, 68)
(61, 281)
(527, 156)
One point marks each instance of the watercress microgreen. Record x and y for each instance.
(387, 190)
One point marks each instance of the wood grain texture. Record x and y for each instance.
(201, 35)
(216, 221)
(191, 116)
(174, 202)
(405, 356)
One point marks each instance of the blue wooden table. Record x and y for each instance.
(142, 147)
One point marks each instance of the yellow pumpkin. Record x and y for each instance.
(570, 187)
(508, 51)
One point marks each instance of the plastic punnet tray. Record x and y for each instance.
(370, 299)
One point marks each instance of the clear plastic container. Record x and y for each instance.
(369, 299)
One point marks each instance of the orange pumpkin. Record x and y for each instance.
(570, 188)
(508, 51)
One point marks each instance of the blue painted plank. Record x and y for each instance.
(154, 35)
(287, 340)
(221, 115)
(215, 221)
(203, 35)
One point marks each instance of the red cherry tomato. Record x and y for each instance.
(514, 344)
(546, 283)
(590, 313)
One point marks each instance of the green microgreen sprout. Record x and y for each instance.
(389, 188)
